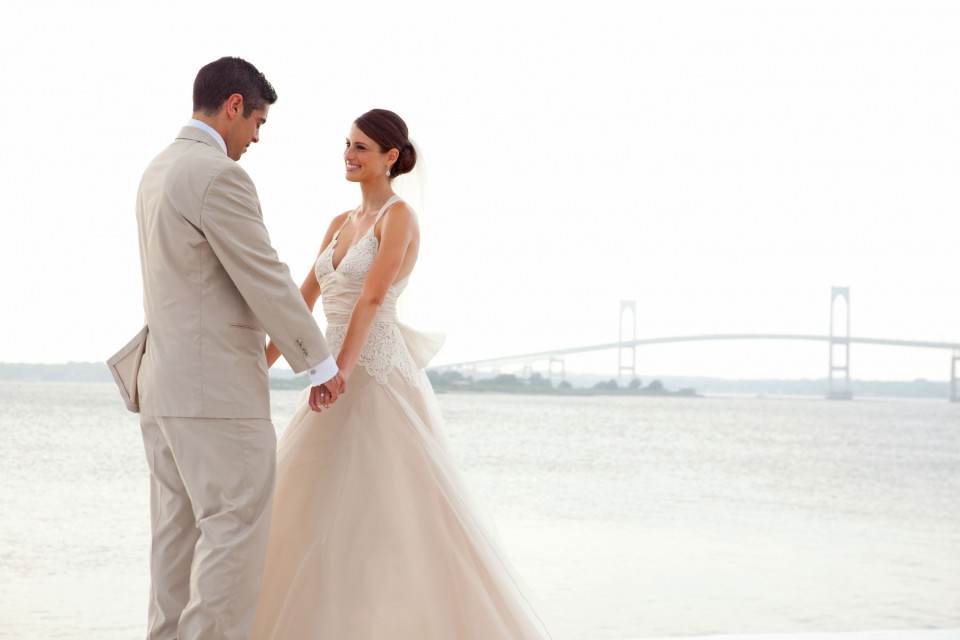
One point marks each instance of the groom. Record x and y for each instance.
(213, 286)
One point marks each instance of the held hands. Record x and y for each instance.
(322, 396)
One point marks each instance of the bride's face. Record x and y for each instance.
(363, 158)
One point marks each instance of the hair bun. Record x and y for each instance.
(389, 131)
(405, 161)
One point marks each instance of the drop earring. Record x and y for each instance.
(388, 172)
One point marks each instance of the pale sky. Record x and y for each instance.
(721, 163)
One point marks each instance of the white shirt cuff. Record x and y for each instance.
(320, 373)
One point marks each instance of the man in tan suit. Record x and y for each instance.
(213, 288)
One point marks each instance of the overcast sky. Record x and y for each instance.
(721, 163)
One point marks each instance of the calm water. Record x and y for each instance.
(629, 517)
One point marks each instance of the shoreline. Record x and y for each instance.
(672, 386)
(296, 384)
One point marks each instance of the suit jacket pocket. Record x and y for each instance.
(244, 326)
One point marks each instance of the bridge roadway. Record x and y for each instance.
(556, 353)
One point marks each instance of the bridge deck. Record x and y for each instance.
(555, 353)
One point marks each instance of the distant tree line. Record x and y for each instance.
(537, 383)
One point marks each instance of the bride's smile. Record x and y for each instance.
(364, 159)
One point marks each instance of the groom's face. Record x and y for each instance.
(245, 131)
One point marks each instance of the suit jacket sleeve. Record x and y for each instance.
(232, 222)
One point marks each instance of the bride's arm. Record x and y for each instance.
(310, 289)
(398, 231)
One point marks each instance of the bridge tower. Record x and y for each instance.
(839, 389)
(954, 370)
(562, 373)
(627, 355)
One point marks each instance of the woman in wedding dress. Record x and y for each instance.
(374, 536)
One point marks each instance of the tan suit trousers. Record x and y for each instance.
(210, 498)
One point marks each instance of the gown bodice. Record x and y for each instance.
(390, 345)
(341, 286)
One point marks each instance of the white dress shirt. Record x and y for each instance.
(203, 126)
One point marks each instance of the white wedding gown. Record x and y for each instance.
(374, 536)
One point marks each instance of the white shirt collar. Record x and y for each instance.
(203, 126)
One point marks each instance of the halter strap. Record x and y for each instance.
(386, 205)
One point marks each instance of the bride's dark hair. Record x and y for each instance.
(389, 131)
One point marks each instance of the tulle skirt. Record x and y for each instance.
(373, 535)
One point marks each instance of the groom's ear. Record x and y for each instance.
(233, 106)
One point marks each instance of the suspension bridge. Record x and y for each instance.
(838, 340)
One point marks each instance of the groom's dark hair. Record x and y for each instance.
(222, 78)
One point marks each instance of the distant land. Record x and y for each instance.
(580, 383)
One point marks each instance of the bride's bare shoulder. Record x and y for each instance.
(338, 220)
(400, 214)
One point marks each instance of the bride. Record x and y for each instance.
(373, 535)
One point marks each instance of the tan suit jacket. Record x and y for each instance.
(212, 286)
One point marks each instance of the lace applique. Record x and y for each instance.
(359, 258)
(383, 352)
(355, 263)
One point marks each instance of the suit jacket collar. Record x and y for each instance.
(196, 134)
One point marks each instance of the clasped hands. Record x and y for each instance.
(323, 395)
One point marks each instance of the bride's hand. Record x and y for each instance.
(319, 398)
(340, 381)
